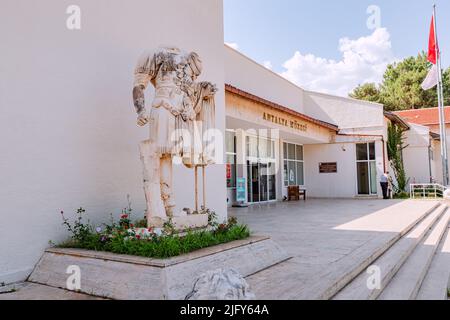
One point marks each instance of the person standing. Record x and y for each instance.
(384, 181)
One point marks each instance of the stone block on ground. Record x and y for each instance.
(221, 284)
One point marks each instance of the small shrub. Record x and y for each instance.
(401, 195)
(122, 237)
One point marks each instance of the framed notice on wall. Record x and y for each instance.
(328, 167)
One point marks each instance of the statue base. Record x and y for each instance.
(181, 223)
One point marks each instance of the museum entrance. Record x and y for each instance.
(261, 182)
(261, 169)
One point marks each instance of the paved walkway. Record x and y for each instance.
(326, 238)
(33, 291)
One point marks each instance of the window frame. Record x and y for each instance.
(234, 155)
(369, 162)
(287, 161)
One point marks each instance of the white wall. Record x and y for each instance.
(416, 154)
(342, 184)
(245, 74)
(436, 162)
(350, 115)
(337, 185)
(68, 125)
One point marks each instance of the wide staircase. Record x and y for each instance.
(415, 267)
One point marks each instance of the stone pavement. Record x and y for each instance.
(325, 237)
(32, 291)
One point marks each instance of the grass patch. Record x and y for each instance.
(125, 238)
(165, 246)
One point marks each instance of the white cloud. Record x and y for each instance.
(233, 45)
(363, 60)
(268, 65)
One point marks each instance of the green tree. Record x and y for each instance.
(401, 86)
(395, 148)
(367, 91)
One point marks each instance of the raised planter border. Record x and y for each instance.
(118, 276)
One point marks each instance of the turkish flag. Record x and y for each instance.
(432, 78)
(432, 44)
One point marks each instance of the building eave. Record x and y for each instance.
(397, 119)
(246, 95)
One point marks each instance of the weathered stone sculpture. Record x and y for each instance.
(221, 285)
(179, 103)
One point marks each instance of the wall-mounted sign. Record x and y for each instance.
(241, 190)
(328, 167)
(293, 124)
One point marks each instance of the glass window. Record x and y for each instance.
(299, 153)
(272, 149)
(300, 179)
(285, 173)
(263, 148)
(293, 165)
(373, 177)
(363, 180)
(366, 168)
(291, 152)
(292, 173)
(371, 151)
(361, 152)
(252, 146)
(231, 171)
(230, 141)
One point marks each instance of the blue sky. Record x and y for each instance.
(326, 45)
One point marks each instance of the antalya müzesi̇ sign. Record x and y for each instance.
(293, 124)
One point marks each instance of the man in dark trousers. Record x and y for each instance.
(384, 181)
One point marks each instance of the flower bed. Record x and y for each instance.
(125, 237)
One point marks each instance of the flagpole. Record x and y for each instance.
(443, 131)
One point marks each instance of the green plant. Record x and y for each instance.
(395, 146)
(124, 238)
(401, 195)
(168, 227)
(80, 230)
(141, 223)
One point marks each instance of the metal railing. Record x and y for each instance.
(427, 191)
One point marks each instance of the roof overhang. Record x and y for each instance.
(273, 105)
(397, 120)
(435, 136)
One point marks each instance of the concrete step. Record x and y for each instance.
(391, 260)
(328, 282)
(437, 280)
(408, 280)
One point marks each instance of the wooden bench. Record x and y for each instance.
(294, 193)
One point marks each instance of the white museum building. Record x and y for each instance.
(70, 137)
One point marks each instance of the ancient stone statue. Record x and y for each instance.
(179, 104)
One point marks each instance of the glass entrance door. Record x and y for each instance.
(253, 182)
(261, 181)
(366, 169)
(261, 169)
